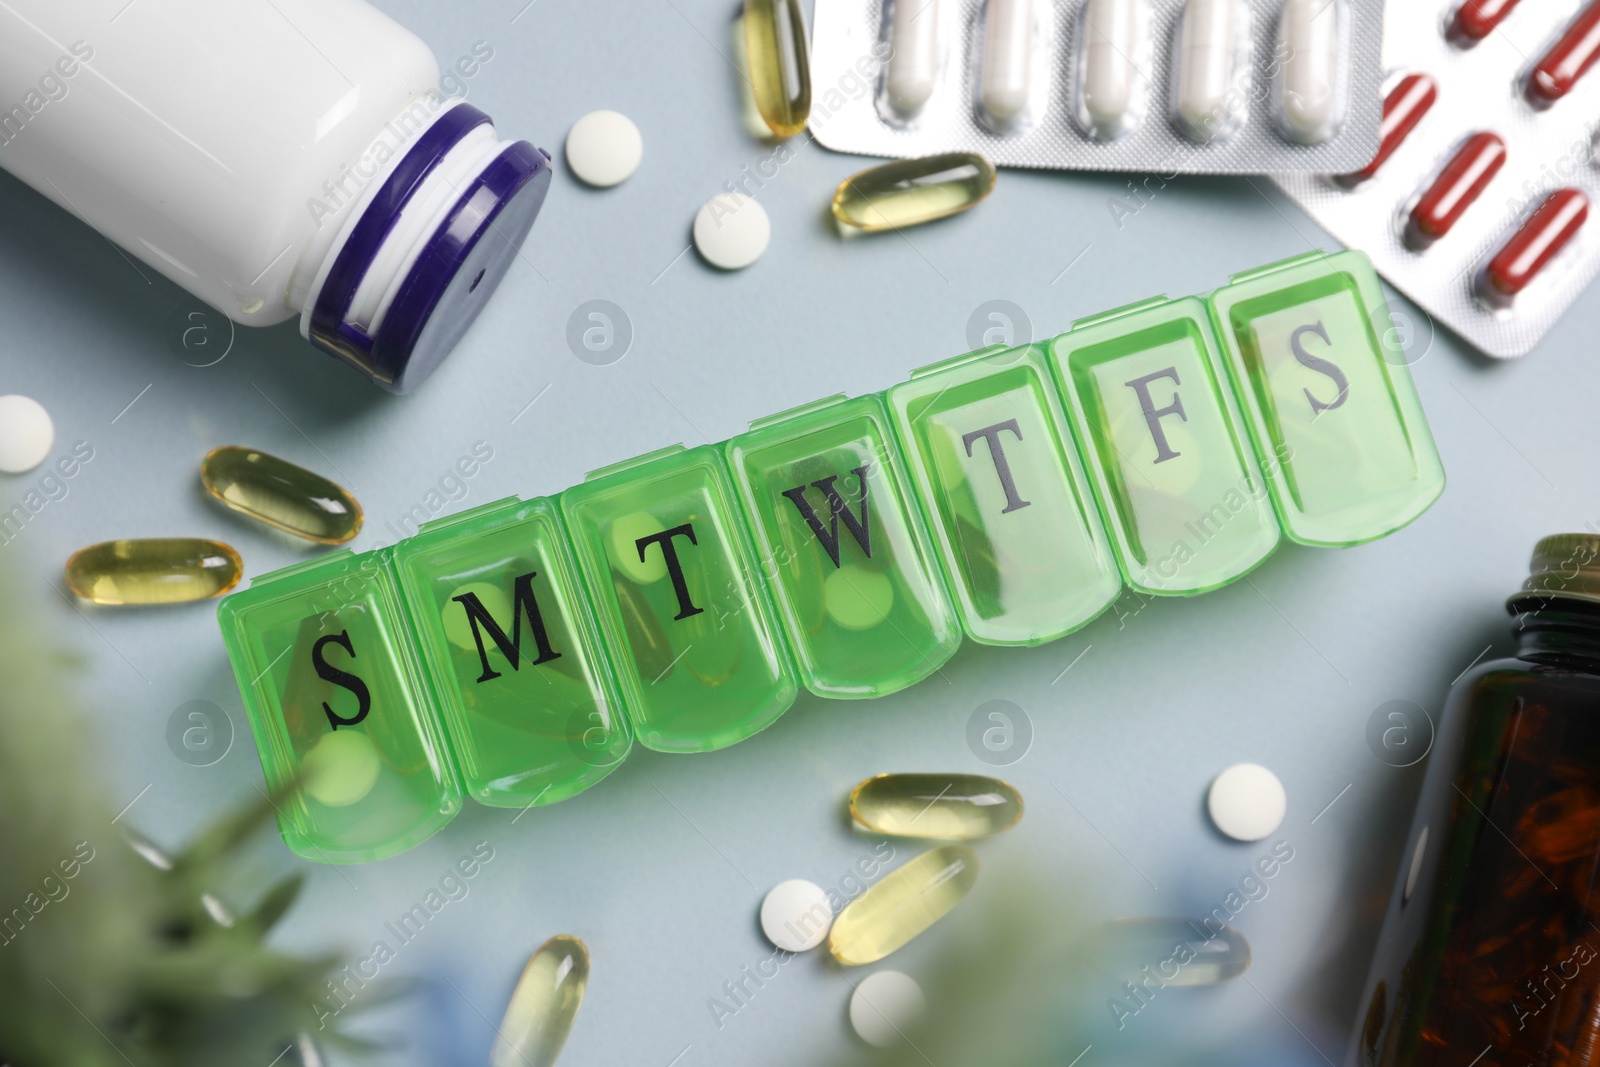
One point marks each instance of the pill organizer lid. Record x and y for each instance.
(1563, 567)
(470, 251)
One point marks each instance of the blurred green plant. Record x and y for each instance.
(107, 958)
(1001, 987)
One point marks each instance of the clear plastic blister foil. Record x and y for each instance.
(1479, 89)
(854, 109)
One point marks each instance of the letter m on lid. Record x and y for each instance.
(523, 603)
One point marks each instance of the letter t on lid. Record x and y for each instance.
(1320, 369)
(993, 465)
(680, 602)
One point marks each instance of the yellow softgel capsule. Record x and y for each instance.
(949, 807)
(779, 63)
(543, 1006)
(153, 570)
(281, 494)
(904, 904)
(909, 192)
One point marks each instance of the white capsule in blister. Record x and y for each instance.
(1207, 107)
(1114, 42)
(1309, 107)
(914, 62)
(1007, 62)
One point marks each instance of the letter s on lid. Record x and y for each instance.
(322, 650)
(1320, 368)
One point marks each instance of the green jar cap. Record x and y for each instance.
(1563, 567)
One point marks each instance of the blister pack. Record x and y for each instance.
(1160, 86)
(1476, 202)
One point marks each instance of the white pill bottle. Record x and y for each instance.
(275, 158)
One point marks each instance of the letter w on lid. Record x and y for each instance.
(866, 614)
(858, 524)
(1171, 466)
(1320, 368)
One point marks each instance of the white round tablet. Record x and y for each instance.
(796, 915)
(731, 231)
(26, 433)
(1247, 802)
(604, 148)
(884, 1006)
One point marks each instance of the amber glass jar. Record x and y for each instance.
(1490, 951)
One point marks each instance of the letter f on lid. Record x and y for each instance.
(1153, 415)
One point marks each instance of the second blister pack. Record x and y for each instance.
(1475, 205)
(1164, 86)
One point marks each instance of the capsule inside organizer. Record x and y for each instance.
(509, 642)
(1172, 469)
(697, 656)
(336, 699)
(1006, 496)
(841, 543)
(1323, 381)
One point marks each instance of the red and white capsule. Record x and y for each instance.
(1458, 185)
(1403, 108)
(1476, 19)
(1541, 237)
(1559, 69)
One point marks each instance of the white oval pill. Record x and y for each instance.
(914, 61)
(1247, 802)
(1205, 65)
(796, 915)
(1114, 37)
(604, 148)
(1007, 59)
(731, 231)
(1309, 109)
(26, 433)
(884, 1006)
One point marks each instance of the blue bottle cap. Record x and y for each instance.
(461, 263)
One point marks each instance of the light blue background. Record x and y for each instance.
(662, 867)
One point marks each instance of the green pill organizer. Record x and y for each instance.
(514, 653)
